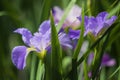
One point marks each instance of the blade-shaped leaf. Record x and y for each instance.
(80, 41)
(55, 54)
(114, 72)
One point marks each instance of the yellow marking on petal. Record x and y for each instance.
(30, 49)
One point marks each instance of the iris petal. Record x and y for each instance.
(65, 40)
(107, 60)
(39, 41)
(111, 20)
(74, 34)
(102, 15)
(44, 27)
(26, 35)
(19, 54)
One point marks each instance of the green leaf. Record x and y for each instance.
(81, 38)
(65, 14)
(114, 72)
(96, 66)
(56, 54)
(114, 10)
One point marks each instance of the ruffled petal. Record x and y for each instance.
(19, 54)
(26, 35)
(102, 15)
(110, 21)
(40, 41)
(44, 27)
(65, 40)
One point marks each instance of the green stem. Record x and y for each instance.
(33, 66)
(89, 7)
(95, 56)
(40, 70)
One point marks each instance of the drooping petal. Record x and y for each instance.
(65, 40)
(44, 27)
(19, 55)
(26, 35)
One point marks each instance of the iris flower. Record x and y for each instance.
(71, 19)
(96, 25)
(39, 42)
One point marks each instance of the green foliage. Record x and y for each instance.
(56, 53)
(30, 14)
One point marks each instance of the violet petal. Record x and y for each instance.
(107, 61)
(19, 54)
(40, 41)
(44, 27)
(111, 20)
(65, 40)
(26, 35)
(74, 34)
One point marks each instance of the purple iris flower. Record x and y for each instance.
(106, 60)
(71, 19)
(38, 42)
(95, 25)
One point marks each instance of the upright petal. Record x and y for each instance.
(44, 27)
(102, 15)
(71, 19)
(57, 13)
(26, 35)
(19, 54)
(40, 41)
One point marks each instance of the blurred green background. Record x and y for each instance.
(29, 14)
